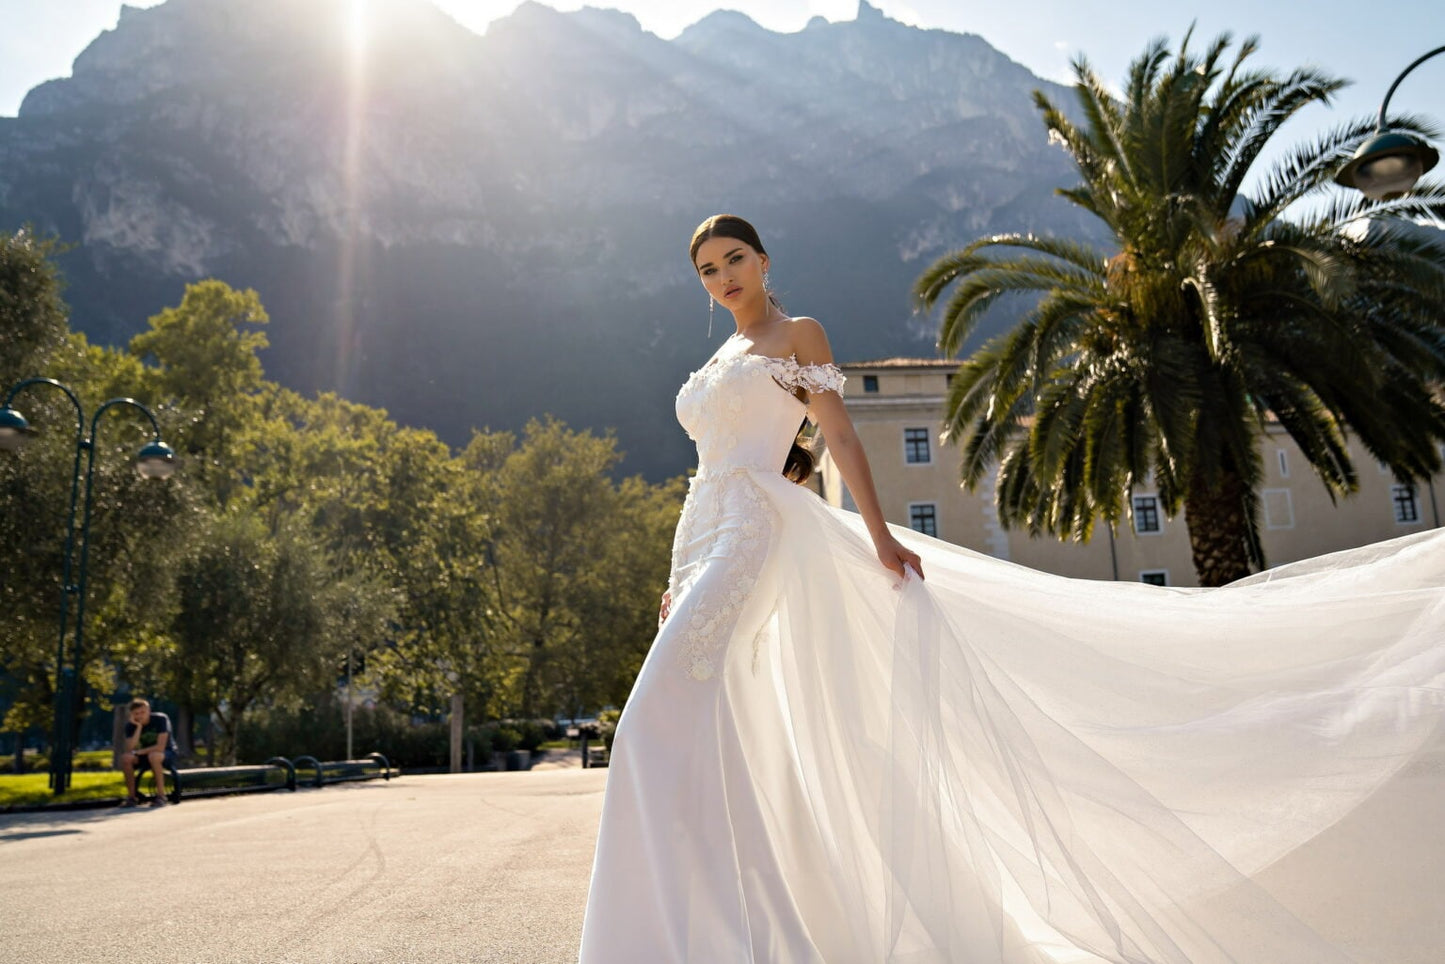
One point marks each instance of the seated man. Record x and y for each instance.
(147, 741)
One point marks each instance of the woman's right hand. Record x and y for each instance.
(665, 608)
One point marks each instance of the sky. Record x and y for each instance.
(1357, 40)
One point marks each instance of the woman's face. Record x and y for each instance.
(731, 271)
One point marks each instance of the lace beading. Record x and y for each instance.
(729, 566)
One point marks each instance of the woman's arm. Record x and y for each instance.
(810, 344)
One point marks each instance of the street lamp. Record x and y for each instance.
(156, 460)
(1388, 164)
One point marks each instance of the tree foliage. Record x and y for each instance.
(32, 314)
(300, 531)
(261, 618)
(1160, 363)
(569, 602)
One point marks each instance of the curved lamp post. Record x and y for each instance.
(156, 460)
(1388, 164)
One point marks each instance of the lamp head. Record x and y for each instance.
(14, 430)
(156, 460)
(1388, 165)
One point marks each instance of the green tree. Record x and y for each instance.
(261, 619)
(622, 605)
(385, 502)
(578, 564)
(32, 326)
(132, 522)
(32, 314)
(1163, 360)
(203, 360)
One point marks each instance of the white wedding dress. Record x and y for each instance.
(992, 766)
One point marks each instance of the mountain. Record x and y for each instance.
(470, 230)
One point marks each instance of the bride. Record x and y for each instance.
(828, 759)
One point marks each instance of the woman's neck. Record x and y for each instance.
(754, 317)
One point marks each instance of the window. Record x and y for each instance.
(1406, 509)
(1278, 508)
(1155, 577)
(1283, 463)
(1146, 513)
(948, 379)
(923, 517)
(915, 446)
(870, 384)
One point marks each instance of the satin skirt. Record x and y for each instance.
(999, 766)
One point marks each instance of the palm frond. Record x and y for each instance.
(1311, 167)
(1104, 117)
(1343, 210)
(1277, 103)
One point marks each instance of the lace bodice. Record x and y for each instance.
(742, 409)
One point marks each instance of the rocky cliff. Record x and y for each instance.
(469, 230)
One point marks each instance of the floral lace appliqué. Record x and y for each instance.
(810, 378)
(729, 567)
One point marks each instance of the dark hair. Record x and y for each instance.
(798, 467)
(724, 226)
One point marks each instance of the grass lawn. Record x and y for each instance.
(32, 788)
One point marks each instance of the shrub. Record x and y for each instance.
(506, 739)
(319, 730)
(479, 739)
(607, 725)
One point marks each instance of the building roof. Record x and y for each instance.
(902, 363)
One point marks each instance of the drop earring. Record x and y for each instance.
(711, 304)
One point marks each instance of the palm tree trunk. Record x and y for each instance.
(1218, 529)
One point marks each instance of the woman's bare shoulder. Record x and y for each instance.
(808, 341)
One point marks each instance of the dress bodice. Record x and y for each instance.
(742, 409)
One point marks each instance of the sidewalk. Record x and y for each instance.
(445, 869)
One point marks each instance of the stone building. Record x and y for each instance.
(897, 404)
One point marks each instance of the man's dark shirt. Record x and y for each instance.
(150, 734)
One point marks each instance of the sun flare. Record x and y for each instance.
(358, 26)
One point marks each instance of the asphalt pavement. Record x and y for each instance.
(444, 869)
(493, 867)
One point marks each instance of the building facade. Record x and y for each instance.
(897, 403)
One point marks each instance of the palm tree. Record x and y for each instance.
(1164, 360)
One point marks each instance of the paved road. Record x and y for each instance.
(492, 867)
(484, 867)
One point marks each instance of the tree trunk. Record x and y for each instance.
(1218, 529)
(119, 719)
(185, 730)
(532, 680)
(457, 734)
(233, 739)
